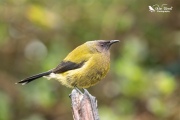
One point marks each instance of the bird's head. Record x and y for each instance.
(100, 45)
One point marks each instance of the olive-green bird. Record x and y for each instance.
(85, 66)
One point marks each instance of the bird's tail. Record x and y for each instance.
(34, 77)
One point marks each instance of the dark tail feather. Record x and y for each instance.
(34, 77)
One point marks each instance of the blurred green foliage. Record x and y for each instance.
(143, 83)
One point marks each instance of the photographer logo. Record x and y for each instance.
(163, 8)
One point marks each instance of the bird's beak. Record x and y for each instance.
(113, 41)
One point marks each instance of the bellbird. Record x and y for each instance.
(83, 67)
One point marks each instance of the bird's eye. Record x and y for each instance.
(102, 45)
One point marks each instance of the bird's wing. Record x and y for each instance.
(74, 60)
(66, 66)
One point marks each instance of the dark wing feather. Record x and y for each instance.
(67, 65)
(62, 67)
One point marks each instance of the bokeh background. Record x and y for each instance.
(144, 80)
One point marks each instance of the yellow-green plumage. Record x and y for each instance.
(83, 67)
(95, 68)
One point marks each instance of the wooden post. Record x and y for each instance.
(84, 106)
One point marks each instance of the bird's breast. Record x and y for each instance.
(91, 72)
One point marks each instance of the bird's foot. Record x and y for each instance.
(77, 89)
